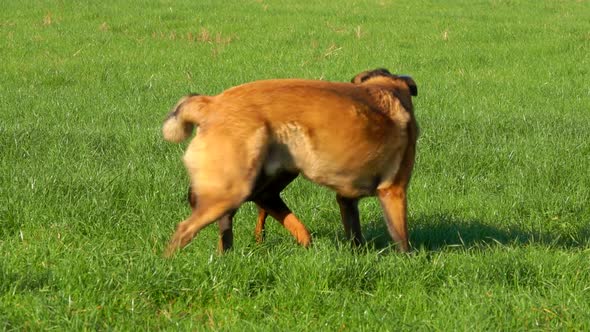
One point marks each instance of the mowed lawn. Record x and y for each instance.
(499, 204)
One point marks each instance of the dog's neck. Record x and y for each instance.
(387, 90)
(390, 84)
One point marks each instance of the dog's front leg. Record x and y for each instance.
(349, 212)
(394, 203)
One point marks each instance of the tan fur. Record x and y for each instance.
(355, 138)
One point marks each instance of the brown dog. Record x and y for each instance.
(267, 191)
(358, 139)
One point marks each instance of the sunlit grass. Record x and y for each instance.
(90, 193)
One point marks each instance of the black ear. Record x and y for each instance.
(360, 78)
(411, 84)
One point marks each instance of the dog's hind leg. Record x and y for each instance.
(192, 199)
(274, 205)
(349, 213)
(226, 235)
(266, 194)
(208, 210)
(219, 186)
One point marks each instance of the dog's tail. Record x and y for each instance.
(188, 113)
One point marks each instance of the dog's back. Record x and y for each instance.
(345, 136)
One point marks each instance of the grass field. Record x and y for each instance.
(90, 193)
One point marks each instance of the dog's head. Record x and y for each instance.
(382, 73)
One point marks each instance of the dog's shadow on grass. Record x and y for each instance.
(436, 232)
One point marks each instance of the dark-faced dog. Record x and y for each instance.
(356, 138)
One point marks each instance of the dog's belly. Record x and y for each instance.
(348, 186)
(345, 183)
(351, 171)
(353, 181)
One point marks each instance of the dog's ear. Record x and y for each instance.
(360, 78)
(411, 84)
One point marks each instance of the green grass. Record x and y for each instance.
(90, 193)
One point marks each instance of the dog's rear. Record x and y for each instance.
(187, 113)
